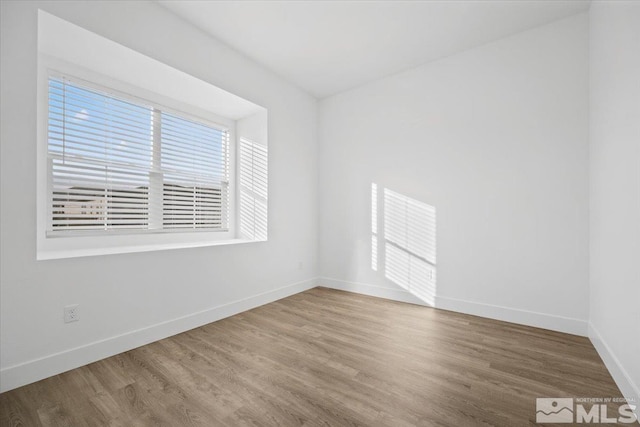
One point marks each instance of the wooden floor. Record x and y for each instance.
(324, 358)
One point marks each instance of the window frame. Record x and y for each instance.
(78, 242)
(156, 108)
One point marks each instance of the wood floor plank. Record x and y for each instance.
(324, 358)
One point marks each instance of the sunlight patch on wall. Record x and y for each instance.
(374, 227)
(253, 189)
(410, 245)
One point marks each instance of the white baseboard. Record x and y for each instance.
(620, 375)
(372, 290)
(38, 369)
(507, 314)
(552, 322)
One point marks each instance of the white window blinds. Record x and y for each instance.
(195, 164)
(116, 163)
(253, 190)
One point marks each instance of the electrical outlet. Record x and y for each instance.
(71, 313)
(300, 265)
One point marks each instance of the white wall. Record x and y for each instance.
(128, 300)
(496, 139)
(615, 189)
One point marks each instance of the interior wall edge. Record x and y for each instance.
(35, 370)
(619, 374)
(553, 322)
(371, 290)
(507, 314)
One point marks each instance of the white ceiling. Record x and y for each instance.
(326, 47)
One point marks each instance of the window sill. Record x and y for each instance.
(43, 255)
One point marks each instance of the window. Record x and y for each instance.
(142, 157)
(119, 164)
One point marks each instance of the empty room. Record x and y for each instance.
(319, 213)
